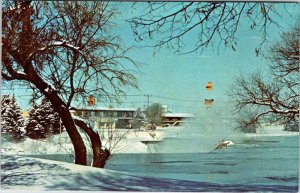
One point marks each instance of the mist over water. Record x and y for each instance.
(203, 134)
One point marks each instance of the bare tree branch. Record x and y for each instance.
(173, 23)
(278, 95)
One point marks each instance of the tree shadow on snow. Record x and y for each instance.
(21, 171)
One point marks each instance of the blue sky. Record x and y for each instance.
(184, 77)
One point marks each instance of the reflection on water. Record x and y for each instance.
(271, 161)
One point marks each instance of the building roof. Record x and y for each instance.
(105, 109)
(183, 115)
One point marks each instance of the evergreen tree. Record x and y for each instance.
(12, 121)
(43, 121)
(139, 119)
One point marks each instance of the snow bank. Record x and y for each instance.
(271, 130)
(60, 144)
(53, 145)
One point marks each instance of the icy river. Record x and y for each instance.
(256, 161)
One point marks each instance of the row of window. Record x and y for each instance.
(104, 113)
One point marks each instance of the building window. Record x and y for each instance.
(120, 114)
(86, 113)
(115, 114)
(78, 113)
(97, 113)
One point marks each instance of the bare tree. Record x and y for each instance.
(113, 137)
(277, 93)
(65, 51)
(213, 22)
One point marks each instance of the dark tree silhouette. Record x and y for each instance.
(276, 94)
(65, 51)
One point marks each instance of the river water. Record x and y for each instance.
(270, 161)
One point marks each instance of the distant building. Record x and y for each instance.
(103, 117)
(176, 119)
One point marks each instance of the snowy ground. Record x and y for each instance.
(31, 174)
(60, 144)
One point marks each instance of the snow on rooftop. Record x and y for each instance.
(183, 115)
(107, 109)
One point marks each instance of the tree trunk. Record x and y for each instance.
(100, 155)
(78, 144)
(60, 106)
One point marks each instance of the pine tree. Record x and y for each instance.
(12, 121)
(138, 120)
(43, 121)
